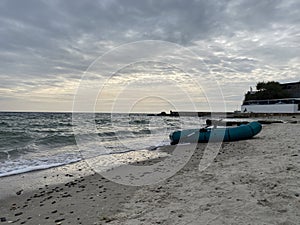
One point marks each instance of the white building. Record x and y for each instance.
(287, 105)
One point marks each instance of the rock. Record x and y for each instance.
(66, 195)
(69, 175)
(59, 220)
(18, 214)
(19, 192)
(3, 219)
(263, 202)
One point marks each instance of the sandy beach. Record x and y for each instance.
(149, 112)
(255, 181)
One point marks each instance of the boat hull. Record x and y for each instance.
(242, 132)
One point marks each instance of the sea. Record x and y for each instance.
(35, 141)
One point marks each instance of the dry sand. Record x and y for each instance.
(255, 181)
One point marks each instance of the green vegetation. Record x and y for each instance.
(267, 90)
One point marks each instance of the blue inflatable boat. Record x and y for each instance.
(203, 135)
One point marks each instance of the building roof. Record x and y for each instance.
(291, 83)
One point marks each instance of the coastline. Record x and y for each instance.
(250, 182)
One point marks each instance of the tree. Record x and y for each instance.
(267, 90)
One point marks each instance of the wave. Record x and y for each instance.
(142, 131)
(14, 153)
(57, 139)
(139, 121)
(14, 139)
(42, 138)
(4, 123)
(107, 133)
(26, 168)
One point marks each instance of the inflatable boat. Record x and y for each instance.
(216, 134)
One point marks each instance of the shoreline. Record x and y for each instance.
(55, 195)
(61, 174)
(249, 182)
(229, 121)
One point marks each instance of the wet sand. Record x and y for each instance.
(255, 181)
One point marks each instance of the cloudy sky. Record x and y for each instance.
(49, 48)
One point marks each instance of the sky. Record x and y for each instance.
(143, 56)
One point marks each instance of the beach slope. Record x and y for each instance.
(255, 181)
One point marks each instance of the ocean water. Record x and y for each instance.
(34, 141)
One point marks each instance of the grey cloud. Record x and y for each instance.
(261, 15)
(42, 41)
